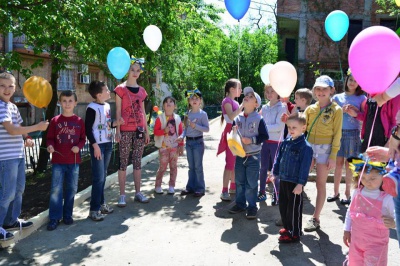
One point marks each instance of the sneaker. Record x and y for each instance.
(279, 222)
(141, 198)
(225, 196)
(232, 191)
(68, 220)
(105, 209)
(286, 238)
(158, 190)
(261, 196)
(121, 202)
(312, 225)
(283, 231)
(171, 191)
(198, 194)
(236, 209)
(251, 214)
(18, 225)
(390, 182)
(4, 235)
(52, 225)
(96, 216)
(275, 199)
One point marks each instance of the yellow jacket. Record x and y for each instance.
(327, 128)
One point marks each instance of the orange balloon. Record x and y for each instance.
(37, 91)
(155, 108)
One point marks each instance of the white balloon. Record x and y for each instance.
(264, 73)
(283, 77)
(152, 37)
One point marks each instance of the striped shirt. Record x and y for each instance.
(12, 146)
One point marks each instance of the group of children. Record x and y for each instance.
(326, 133)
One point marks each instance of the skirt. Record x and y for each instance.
(350, 144)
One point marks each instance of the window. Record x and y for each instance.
(355, 27)
(111, 83)
(66, 80)
(94, 76)
(390, 23)
(290, 50)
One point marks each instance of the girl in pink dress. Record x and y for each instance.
(369, 217)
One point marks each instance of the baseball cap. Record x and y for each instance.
(324, 81)
(250, 89)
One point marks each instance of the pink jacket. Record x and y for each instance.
(388, 116)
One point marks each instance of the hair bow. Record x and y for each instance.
(191, 93)
(356, 165)
(140, 61)
(348, 72)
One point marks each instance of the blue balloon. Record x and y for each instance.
(336, 25)
(118, 61)
(237, 8)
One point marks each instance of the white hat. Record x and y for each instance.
(324, 81)
(250, 89)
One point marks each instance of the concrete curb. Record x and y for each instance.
(42, 218)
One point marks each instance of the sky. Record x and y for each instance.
(268, 16)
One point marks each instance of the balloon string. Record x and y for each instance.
(240, 33)
(54, 151)
(340, 62)
(276, 155)
(369, 142)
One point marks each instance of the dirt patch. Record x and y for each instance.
(37, 190)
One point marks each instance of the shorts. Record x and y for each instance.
(321, 152)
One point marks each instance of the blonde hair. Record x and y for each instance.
(305, 94)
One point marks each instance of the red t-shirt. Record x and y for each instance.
(131, 107)
(63, 134)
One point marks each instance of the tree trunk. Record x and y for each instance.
(51, 108)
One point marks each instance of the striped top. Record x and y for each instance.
(12, 146)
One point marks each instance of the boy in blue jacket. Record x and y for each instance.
(292, 166)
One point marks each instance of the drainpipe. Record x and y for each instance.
(8, 42)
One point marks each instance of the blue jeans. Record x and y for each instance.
(397, 214)
(99, 174)
(12, 185)
(194, 153)
(68, 174)
(246, 176)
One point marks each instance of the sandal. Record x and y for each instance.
(334, 198)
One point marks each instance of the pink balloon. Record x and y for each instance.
(374, 58)
(283, 78)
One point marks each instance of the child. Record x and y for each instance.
(196, 123)
(292, 167)
(252, 131)
(98, 126)
(369, 217)
(351, 100)
(167, 129)
(271, 113)
(133, 134)
(302, 98)
(230, 109)
(65, 138)
(324, 129)
(12, 161)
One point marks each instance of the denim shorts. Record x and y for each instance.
(321, 152)
(350, 144)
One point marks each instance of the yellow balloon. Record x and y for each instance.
(37, 91)
(398, 3)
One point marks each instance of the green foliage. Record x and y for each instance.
(388, 7)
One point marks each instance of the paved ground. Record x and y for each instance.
(175, 230)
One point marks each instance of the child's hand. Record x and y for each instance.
(180, 150)
(389, 222)
(50, 149)
(97, 151)
(166, 130)
(75, 149)
(117, 137)
(298, 189)
(331, 164)
(351, 110)
(234, 129)
(378, 154)
(193, 123)
(42, 126)
(179, 140)
(121, 121)
(271, 177)
(347, 238)
(284, 117)
(246, 140)
(147, 138)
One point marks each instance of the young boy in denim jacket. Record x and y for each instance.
(13, 136)
(292, 167)
(65, 138)
(252, 131)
